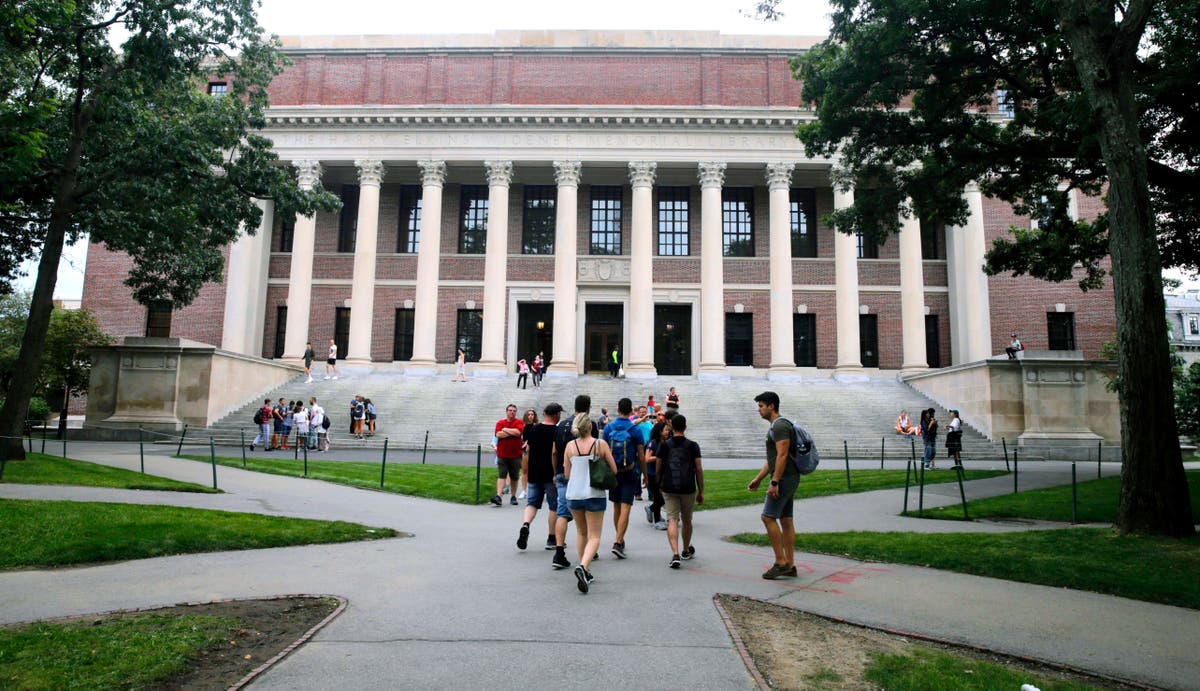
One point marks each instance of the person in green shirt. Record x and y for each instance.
(785, 478)
(309, 356)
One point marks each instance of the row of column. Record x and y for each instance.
(967, 290)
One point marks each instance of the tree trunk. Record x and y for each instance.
(1154, 493)
(62, 414)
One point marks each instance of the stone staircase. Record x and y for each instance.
(722, 417)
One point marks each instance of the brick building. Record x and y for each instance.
(567, 192)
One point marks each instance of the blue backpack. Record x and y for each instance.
(620, 442)
(802, 452)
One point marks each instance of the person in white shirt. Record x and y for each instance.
(300, 421)
(954, 439)
(1014, 347)
(331, 361)
(318, 437)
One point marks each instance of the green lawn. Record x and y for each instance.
(722, 488)
(119, 653)
(1143, 568)
(44, 469)
(1097, 503)
(934, 669)
(56, 533)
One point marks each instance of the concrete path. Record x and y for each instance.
(458, 605)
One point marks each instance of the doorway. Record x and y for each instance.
(673, 339)
(535, 330)
(602, 332)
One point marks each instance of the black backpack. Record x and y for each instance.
(258, 417)
(325, 422)
(679, 468)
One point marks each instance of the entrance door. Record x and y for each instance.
(673, 339)
(535, 330)
(602, 332)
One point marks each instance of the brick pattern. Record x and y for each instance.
(383, 329)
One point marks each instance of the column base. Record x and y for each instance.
(421, 368)
(642, 371)
(713, 372)
(784, 373)
(491, 369)
(849, 374)
(906, 370)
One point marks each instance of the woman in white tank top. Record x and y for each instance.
(587, 503)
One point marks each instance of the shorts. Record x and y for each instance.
(782, 507)
(287, 429)
(331, 361)
(509, 467)
(595, 505)
(536, 490)
(679, 505)
(564, 511)
(629, 484)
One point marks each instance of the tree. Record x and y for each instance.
(902, 89)
(67, 357)
(1187, 401)
(122, 142)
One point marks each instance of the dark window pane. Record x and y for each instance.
(218, 88)
(408, 238)
(472, 220)
(866, 248)
(1060, 327)
(739, 339)
(280, 330)
(737, 221)
(804, 338)
(931, 240)
(868, 339)
(341, 331)
(348, 221)
(402, 342)
(933, 353)
(673, 222)
(158, 319)
(802, 215)
(537, 227)
(606, 220)
(287, 234)
(469, 336)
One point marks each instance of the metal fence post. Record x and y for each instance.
(1005, 443)
(179, 450)
(64, 445)
(962, 492)
(846, 455)
(478, 468)
(1074, 497)
(141, 450)
(907, 472)
(29, 434)
(243, 433)
(1016, 469)
(921, 492)
(212, 454)
(383, 465)
(1099, 456)
(881, 439)
(3, 456)
(306, 460)
(425, 448)
(43, 439)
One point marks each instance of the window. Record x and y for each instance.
(802, 215)
(408, 235)
(280, 330)
(348, 221)
(867, 249)
(1060, 327)
(737, 221)
(931, 245)
(739, 339)
(1004, 103)
(470, 333)
(341, 331)
(804, 339)
(218, 88)
(158, 319)
(537, 231)
(933, 353)
(287, 235)
(673, 222)
(1193, 325)
(402, 340)
(1039, 213)
(606, 220)
(868, 339)
(472, 220)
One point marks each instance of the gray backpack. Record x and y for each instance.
(802, 452)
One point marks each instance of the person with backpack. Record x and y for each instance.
(262, 418)
(564, 434)
(785, 479)
(539, 470)
(681, 478)
(322, 427)
(277, 422)
(629, 453)
(587, 502)
(316, 420)
(300, 418)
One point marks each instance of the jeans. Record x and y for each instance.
(312, 437)
(930, 450)
(264, 433)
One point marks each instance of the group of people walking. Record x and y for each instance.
(276, 424)
(525, 368)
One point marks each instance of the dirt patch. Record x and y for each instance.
(797, 650)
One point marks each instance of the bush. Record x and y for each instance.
(39, 409)
(1187, 401)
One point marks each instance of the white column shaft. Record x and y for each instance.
(845, 258)
(712, 270)
(959, 319)
(782, 346)
(242, 287)
(495, 268)
(912, 296)
(429, 255)
(261, 267)
(362, 291)
(300, 278)
(566, 214)
(978, 307)
(640, 358)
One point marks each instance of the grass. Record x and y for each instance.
(1154, 569)
(118, 653)
(1097, 503)
(44, 469)
(57, 533)
(933, 669)
(722, 488)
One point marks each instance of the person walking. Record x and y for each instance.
(308, 356)
(522, 374)
(530, 419)
(587, 503)
(614, 365)
(659, 433)
(539, 463)
(785, 478)
(262, 418)
(564, 435)
(331, 360)
(628, 450)
(539, 368)
(681, 476)
(460, 366)
(508, 433)
(672, 399)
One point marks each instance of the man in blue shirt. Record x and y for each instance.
(629, 453)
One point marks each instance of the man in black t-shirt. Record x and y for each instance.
(539, 459)
(681, 478)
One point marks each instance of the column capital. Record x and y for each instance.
(971, 187)
(433, 173)
(779, 175)
(642, 173)
(499, 173)
(370, 172)
(567, 173)
(308, 172)
(712, 174)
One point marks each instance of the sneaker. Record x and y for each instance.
(660, 525)
(326, 377)
(335, 376)
(523, 540)
(521, 495)
(776, 571)
(560, 561)
(496, 499)
(689, 552)
(649, 515)
(618, 549)
(550, 542)
(581, 579)
(674, 562)
(791, 572)
(252, 447)
(513, 501)
(308, 381)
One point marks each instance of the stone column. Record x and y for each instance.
(639, 362)
(977, 305)
(712, 272)
(425, 307)
(779, 183)
(566, 215)
(912, 297)
(959, 320)
(362, 291)
(845, 258)
(300, 279)
(495, 269)
(245, 286)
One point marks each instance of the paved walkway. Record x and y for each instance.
(458, 605)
